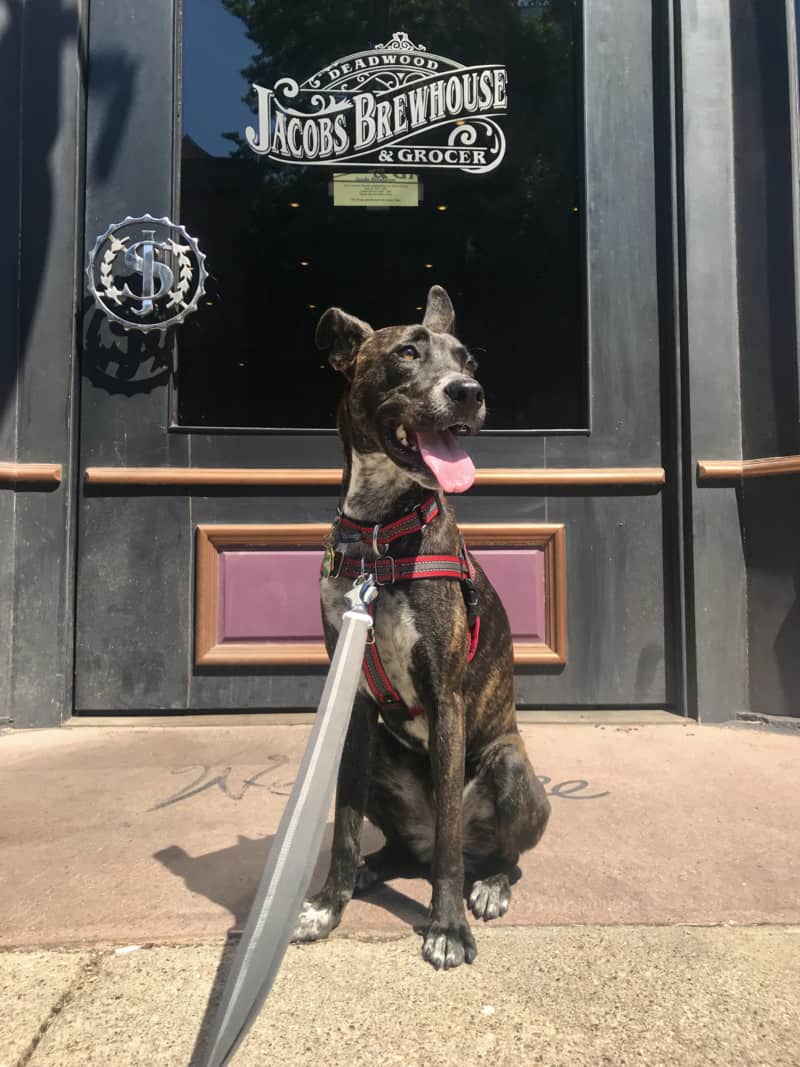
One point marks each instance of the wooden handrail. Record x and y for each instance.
(28, 473)
(249, 476)
(710, 470)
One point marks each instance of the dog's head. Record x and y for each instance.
(412, 391)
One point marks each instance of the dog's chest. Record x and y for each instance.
(396, 634)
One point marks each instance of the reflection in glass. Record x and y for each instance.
(505, 244)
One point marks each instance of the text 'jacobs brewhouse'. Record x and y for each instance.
(394, 104)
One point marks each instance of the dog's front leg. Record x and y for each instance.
(448, 941)
(323, 912)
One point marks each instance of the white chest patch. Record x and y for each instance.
(396, 635)
(418, 728)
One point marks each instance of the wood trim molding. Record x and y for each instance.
(710, 470)
(231, 476)
(276, 476)
(30, 473)
(209, 651)
(571, 476)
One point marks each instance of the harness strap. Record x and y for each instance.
(377, 679)
(388, 570)
(379, 537)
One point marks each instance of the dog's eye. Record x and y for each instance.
(408, 352)
(470, 364)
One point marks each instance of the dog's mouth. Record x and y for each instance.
(435, 452)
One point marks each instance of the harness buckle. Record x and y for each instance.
(389, 581)
(471, 601)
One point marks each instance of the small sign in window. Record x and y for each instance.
(376, 190)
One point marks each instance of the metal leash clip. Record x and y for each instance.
(364, 591)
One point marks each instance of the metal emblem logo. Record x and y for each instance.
(394, 105)
(146, 273)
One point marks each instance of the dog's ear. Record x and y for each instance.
(343, 334)
(439, 314)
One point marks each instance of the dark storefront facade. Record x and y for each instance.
(605, 190)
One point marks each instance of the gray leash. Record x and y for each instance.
(295, 849)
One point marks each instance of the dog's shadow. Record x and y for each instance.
(230, 876)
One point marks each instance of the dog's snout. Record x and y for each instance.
(465, 392)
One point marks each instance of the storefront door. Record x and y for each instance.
(353, 155)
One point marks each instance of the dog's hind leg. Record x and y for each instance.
(505, 813)
(400, 805)
(323, 912)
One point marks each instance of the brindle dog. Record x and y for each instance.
(452, 790)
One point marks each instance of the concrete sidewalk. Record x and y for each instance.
(555, 997)
(156, 836)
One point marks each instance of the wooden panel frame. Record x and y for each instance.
(30, 473)
(209, 651)
(248, 476)
(710, 470)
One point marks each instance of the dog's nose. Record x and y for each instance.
(465, 392)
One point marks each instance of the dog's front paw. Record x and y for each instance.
(316, 920)
(449, 945)
(490, 897)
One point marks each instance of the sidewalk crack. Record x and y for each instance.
(90, 969)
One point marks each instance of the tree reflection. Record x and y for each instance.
(505, 244)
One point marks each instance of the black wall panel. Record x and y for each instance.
(40, 86)
(769, 508)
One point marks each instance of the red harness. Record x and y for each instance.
(388, 570)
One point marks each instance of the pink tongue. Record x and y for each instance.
(450, 464)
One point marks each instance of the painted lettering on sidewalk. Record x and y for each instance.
(210, 777)
(229, 782)
(571, 789)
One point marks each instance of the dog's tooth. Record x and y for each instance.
(401, 435)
